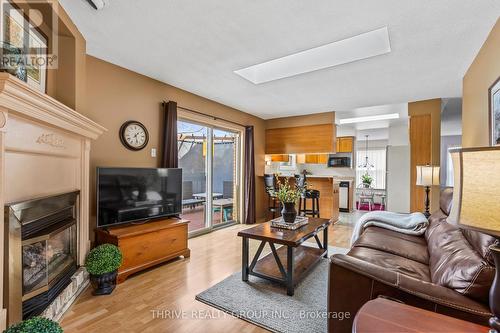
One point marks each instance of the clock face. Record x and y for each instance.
(134, 135)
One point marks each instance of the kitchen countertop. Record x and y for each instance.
(337, 178)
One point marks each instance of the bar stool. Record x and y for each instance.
(273, 203)
(313, 195)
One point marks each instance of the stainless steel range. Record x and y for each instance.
(42, 251)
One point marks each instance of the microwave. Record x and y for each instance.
(339, 162)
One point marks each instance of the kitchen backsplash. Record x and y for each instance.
(315, 169)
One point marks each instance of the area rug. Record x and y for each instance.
(267, 305)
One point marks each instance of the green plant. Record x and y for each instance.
(105, 258)
(35, 325)
(366, 179)
(286, 193)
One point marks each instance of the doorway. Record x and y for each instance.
(211, 177)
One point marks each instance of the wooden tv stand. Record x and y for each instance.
(148, 244)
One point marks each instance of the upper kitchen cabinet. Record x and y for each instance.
(278, 158)
(345, 144)
(312, 158)
(313, 139)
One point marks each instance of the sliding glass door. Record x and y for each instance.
(225, 176)
(210, 176)
(191, 142)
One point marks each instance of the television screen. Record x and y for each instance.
(137, 194)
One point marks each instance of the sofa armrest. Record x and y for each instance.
(426, 290)
(352, 282)
(365, 268)
(422, 289)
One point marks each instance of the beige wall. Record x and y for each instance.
(482, 73)
(307, 120)
(115, 95)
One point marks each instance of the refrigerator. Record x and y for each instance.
(398, 179)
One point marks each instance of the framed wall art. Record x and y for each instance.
(28, 45)
(494, 105)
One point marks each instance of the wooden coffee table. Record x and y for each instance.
(299, 258)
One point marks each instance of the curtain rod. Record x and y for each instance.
(206, 115)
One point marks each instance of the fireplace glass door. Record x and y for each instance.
(35, 275)
(47, 257)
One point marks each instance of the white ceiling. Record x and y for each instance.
(196, 45)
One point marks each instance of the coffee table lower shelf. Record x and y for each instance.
(304, 258)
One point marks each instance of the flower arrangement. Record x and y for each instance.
(286, 193)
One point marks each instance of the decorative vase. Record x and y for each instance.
(103, 284)
(288, 212)
(367, 185)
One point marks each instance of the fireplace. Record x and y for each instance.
(42, 252)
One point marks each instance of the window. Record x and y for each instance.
(377, 158)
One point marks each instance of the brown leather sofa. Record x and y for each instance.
(448, 270)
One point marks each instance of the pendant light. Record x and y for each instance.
(366, 165)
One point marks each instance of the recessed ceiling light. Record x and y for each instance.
(369, 118)
(366, 45)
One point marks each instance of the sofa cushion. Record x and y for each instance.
(403, 245)
(392, 262)
(455, 264)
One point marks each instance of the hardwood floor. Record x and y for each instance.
(162, 298)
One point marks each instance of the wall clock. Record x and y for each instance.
(134, 135)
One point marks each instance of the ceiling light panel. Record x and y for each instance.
(369, 118)
(363, 46)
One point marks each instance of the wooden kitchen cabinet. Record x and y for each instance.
(313, 139)
(345, 144)
(316, 158)
(312, 158)
(280, 158)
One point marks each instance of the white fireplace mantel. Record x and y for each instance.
(44, 150)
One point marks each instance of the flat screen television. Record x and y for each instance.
(137, 194)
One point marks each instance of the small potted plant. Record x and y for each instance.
(288, 196)
(367, 180)
(35, 325)
(102, 263)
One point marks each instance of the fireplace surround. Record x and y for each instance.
(44, 151)
(42, 251)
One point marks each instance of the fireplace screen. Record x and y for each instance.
(47, 257)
